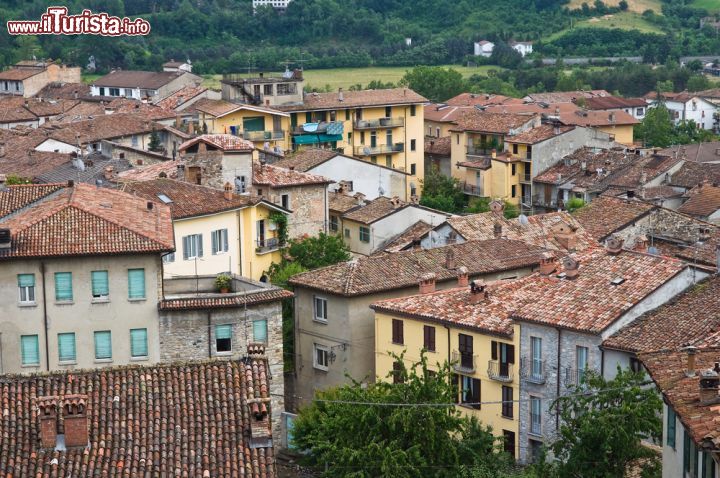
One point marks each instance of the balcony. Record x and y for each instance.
(526, 178)
(379, 149)
(574, 376)
(532, 370)
(464, 362)
(479, 150)
(500, 371)
(382, 123)
(332, 128)
(263, 135)
(266, 245)
(472, 189)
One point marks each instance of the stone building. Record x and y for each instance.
(198, 323)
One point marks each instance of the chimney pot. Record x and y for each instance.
(497, 230)
(450, 258)
(571, 266)
(614, 245)
(463, 276)
(493, 153)
(547, 263)
(691, 352)
(478, 291)
(228, 191)
(641, 243)
(427, 283)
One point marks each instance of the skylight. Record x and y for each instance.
(164, 198)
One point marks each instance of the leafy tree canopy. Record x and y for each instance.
(434, 82)
(442, 193)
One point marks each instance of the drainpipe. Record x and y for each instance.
(557, 416)
(45, 317)
(209, 328)
(602, 362)
(448, 345)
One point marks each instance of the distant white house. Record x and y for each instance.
(484, 48)
(173, 65)
(276, 4)
(522, 47)
(686, 106)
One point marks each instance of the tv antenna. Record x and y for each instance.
(299, 62)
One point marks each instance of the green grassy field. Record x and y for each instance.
(713, 6)
(346, 77)
(638, 6)
(623, 21)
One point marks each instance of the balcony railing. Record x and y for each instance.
(263, 135)
(268, 244)
(532, 370)
(478, 150)
(500, 371)
(472, 189)
(574, 376)
(379, 123)
(464, 362)
(379, 149)
(526, 177)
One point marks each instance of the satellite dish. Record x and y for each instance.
(381, 191)
(653, 250)
(523, 220)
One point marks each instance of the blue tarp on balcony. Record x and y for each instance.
(316, 138)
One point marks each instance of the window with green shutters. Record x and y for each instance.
(138, 343)
(63, 287)
(260, 330)
(136, 283)
(26, 287)
(100, 286)
(671, 433)
(66, 347)
(30, 350)
(103, 345)
(223, 338)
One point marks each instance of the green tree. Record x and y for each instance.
(13, 179)
(155, 144)
(382, 440)
(656, 129)
(698, 83)
(434, 83)
(318, 251)
(442, 192)
(510, 211)
(504, 55)
(602, 423)
(574, 204)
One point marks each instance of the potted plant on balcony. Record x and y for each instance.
(223, 282)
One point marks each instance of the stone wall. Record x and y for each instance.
(308, 205)
(134, 156)
(190, 335)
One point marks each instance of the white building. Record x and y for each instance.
(484, 48)
(686, 106)
(522, 47)
(143, 85)
(276, 4)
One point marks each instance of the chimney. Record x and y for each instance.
(450, 258)
(228, 191)
(571, 266)
(497, 207)
(108, 172)
(462, 276)
(341, 98)
(691, 352)
(75, 420)
(497, 230)
(178, 121)
(641, 243)
(47, 415)
(493, 153)
(478, 291)
(360, 199)
(614, 245)
(566, 236)
(709, 385)
(427, 283)
(547, 263)
(395, 201)
(415, 199)
(612, 117)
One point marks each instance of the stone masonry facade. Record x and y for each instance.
(308, 204)
(190, 335)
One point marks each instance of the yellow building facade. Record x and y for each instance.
(486, 366)
(623, 133)
(254, 123)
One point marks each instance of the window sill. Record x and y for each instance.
(469, 407)
(320, 321)
(507, 418)
(397, 343)
(27, 304)
(100, 300)
(535, 435)
(139, 299)
(67, 362)
(321, 369)
(223, 354)
(107, 360)
(30, 365)
(64, 302)
(139, 359)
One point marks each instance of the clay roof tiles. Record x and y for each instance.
(276, 177)
(691, 174)
(192, 418)
(487, 122)
(605, 215)
(217, 301)
(539, 134)
(306, 159)
(151, 80)
(225, 142)
(355, 99)
(703, 200)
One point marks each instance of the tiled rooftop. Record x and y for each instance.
(613, 102)
(341, 203)
(485, 122)
(708, 152)
(94, 167)
(224, 142)
(100, 127)
(443, 113)
(181, 96)
(475, 99)
(17, 197)
(277, 177)
(150, 172)
(67, 91)
(539, 134)
(15, 74)
(184, 419)
(138, 79)
(407, 237)
(368, 275)
(354, 99)
(375, 210)
(566, 96)
(703, 200)
(85, 220)
(691, 174)
(219, 301)
(438, 146)
(691, 316)
(605, 215)
(307, 159)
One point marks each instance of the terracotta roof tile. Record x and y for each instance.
(17, 197)
(703, 200)
(192, 419)
(101, 127)
(307, 159)
(138, 79)
(691, 174)
(69, 91)
(150, 172)
(539, 134)
(375, 210)
(15, 74)
(689, 317)
(438, 146)
(485, 122)
(708, 152)
(276, 177)
(405, 238)
(613, 102)
(181, 96)
(441, 113)
(342, 203)
(85, 220)
(225, 142)
(481, 99)
(368, 275)
(605, 215)
(565, 96)
(219, 108)
(353, 99)
(219, 301)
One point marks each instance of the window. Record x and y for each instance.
(470, 391)
(103, 345)
(388, 160)
(413, 169)
(635, 364)
(429, 338)
(102, 90)
(99, 283)
(388, 111)
(535, 415)
(364, 234)
(528, 152)
(136, 283)
(63, 287)
(347, 233)
(321, 357)
(349, 138)
(507, 405)
(398, 336)
(347, 118)
(373, 159)
(320, 309)
(398, 372)
(437, 132)
(412, 110)
(219, 241)
(134, 140)
(30, 350)
(138, 343)
(465, 347)
(671, 431)
(641, 111)
(333, 223)
(457, 139)
(581, 362)
(362, 137)
(66, 347)
(413, 144)
(285, 201)
(167, 258)
(509, 442)
(690, 457)
(513, 169)
(708, 465)
(260, 330)
(223, 338)
(513, 190)
(192, 246)
(268, 90)
(515, 149)
(536, 367)
(26, 288)
(504, 354)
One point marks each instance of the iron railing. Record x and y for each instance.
(464, 362)
(379, 123)
(268, 244)
(500, 371)
(379, 149)
(263, 135)
(532, 370)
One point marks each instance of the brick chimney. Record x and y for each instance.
(691, 352)
(565, 235)
(709, 385)
(48, 415)
(641, 243)
(497, 230)
(462, 276)
(427, 283)
(228, 191)
(614, 245)
(395, 201)
(108, 172)
(360, 199)
(548, 263)
(497, 206)
(450, 258)
(478, 292)
(75, 420)
(571, 266)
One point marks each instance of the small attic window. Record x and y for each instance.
(164, 198)
(617, 281)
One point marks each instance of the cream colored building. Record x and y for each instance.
(27, 78)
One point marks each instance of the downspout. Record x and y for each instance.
(557, 393)
(209, 328)
(45, 317)
(602, 362)
(407, 147)
(448, 354)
